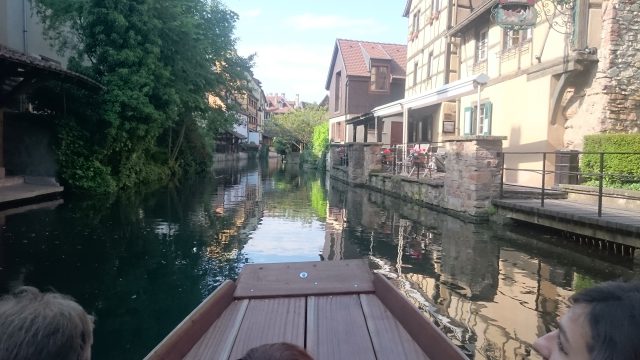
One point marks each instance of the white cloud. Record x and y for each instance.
(310, 21)
(292, 68)
(250, 14)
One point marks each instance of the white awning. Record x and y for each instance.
(444, 93)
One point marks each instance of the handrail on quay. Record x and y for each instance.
(568, 170)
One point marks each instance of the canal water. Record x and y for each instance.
(141, 262)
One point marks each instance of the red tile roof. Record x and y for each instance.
(356, 56)
(273, 104)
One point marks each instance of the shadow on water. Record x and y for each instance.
(142, 261)
(492, 289)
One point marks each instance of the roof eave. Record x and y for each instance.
(454, 31)
(327, 84)
(407, 9)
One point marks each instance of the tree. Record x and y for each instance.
(158, 60)
(296, 127)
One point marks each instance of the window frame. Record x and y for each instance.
(416, 22)
(435, 6)
(482, 45)
(474, 126)
(374, 81)
(523, 36)
(337, 92)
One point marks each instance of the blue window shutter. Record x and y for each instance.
(468, 120)
(486, 123)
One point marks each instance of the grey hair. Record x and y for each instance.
(39, 326)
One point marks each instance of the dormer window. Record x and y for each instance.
(379, 78)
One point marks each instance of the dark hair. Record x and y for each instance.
(276, 351)
(614, 319)
(43, 326)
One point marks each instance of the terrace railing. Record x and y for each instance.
(415, 160)
(572, 167)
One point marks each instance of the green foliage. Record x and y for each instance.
(281, 145)
(297, 127)
(619, 169)
(321, 139)
(157, 61)
(80, 166)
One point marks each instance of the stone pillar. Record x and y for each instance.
(473, 173)
(363, 158)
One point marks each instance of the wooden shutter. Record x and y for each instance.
(468, 120)
(486, 121)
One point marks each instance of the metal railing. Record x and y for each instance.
(571, 161)
(417, 159)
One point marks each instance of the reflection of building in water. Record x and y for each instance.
(238, 208)
(505, 325)
(333, 237)
(492, 299)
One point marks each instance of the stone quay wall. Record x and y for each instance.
(472, 178)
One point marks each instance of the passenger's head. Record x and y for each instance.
(39, 325)
(276, 351)
(602, 324)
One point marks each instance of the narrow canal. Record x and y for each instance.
(142, 262)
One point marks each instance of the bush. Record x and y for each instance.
(620, 170)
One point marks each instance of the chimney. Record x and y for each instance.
(284, 97)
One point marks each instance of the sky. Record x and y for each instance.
(294, 40)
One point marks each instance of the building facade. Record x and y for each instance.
(362, 76)
(544, 87)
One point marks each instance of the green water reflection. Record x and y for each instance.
(142, 262)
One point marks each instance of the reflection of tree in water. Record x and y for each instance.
(138, 263)
(298, 196)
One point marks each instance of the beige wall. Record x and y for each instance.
(521, 94)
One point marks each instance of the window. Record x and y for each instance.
(429, 64)
(379, 78)
(478, 126)
(416, 22)
(415, 73)
(514, 38)
(338, 87)
(435, 6)
(482, 45)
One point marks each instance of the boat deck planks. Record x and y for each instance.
(368, 321)
(218, 341)
(390, 340)
(269, 321)
(269, 280)
(336, 328)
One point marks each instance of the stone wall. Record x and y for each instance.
(474, 166)
(612, 102)
(473, 173)
(621, 62)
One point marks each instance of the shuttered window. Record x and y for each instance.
(475, 126)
